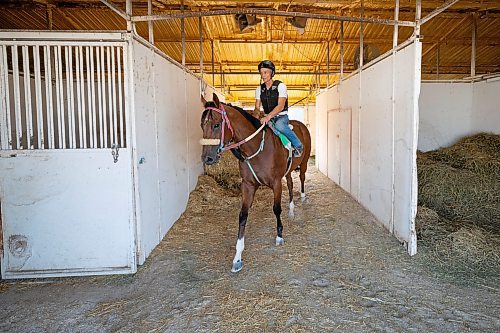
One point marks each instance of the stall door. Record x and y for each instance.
(66, 180)
(66, 213)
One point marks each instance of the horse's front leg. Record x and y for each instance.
(277, 189)
(289, 184)
(248, 193)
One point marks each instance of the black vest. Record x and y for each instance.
(269, 98)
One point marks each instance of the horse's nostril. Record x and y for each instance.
(209, 160)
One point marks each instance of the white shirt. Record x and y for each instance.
(282, 91)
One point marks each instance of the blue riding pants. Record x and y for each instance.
(281, 124)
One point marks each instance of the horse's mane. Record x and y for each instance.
(254, 121)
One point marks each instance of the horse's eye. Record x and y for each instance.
(216, 126)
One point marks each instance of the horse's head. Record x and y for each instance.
(214, 124)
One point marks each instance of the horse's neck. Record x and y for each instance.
(243, 128)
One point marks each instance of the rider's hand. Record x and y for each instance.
(265, 120)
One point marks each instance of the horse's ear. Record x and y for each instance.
(203, 100)
(216, 100)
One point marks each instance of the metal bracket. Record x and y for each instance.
(114, 152)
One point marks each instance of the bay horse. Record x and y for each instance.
(263, 159)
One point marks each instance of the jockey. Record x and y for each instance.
(272, 95)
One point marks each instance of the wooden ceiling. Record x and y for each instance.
(306, 60)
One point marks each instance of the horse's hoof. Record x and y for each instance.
(291, 215)
(302, 197)
(279, 241)
(237, 266)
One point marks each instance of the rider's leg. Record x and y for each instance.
(281, 124)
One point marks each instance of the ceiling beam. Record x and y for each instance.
(485, 41)
(142, 18)
(449, 32)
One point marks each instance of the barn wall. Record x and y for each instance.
(452, 110)
(485, 106)
(445, 114)
(366, 142)
(310, 122)
(167, 110)
(320, 132)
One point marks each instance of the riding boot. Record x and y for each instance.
(297, 152)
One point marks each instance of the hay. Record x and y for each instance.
(458, 217)
(479, 153)
(462, 182)
(430, 226)
(259, 312)
(105, 308)
(226, 172)
(474, 247)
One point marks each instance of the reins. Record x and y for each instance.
(226, 122)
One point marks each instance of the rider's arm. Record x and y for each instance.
(257, 106)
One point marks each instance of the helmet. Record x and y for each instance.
(267, 64)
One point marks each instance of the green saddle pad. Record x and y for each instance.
(285, 141)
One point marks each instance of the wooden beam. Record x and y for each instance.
(449, 32)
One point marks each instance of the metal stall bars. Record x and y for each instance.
(62, 92)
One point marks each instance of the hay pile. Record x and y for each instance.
(458, 217)
(226, 172)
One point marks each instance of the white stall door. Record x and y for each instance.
(66, 212)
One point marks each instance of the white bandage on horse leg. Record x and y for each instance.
(240, 245)
(209, 142)
(291, 214)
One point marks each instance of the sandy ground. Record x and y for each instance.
(339, 271)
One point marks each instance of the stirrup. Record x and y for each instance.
(297, 152)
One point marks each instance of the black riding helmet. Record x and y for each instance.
(267, 64)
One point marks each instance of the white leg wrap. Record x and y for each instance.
(290, 210)
(279, 241)
(240, 245)
(302, 196)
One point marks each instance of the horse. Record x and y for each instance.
(263, 159)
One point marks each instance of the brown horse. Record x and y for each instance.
(263, 159)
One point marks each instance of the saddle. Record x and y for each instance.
(284, 140)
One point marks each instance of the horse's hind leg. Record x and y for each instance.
(248, 193)
(289, 184)
(277, 189)
(303, 169)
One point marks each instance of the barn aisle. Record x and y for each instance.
(339, 271)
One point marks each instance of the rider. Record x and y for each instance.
(272, 95)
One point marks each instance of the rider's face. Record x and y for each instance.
(265, 74)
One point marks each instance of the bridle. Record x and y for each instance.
(225, 122)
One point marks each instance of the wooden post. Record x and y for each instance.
(473, 46)
(150, 24)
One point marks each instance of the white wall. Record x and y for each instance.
(310, 122)
(486, 106)
(167, 114)
(367, 144)
(451, 110)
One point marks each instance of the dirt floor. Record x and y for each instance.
(339, 271)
